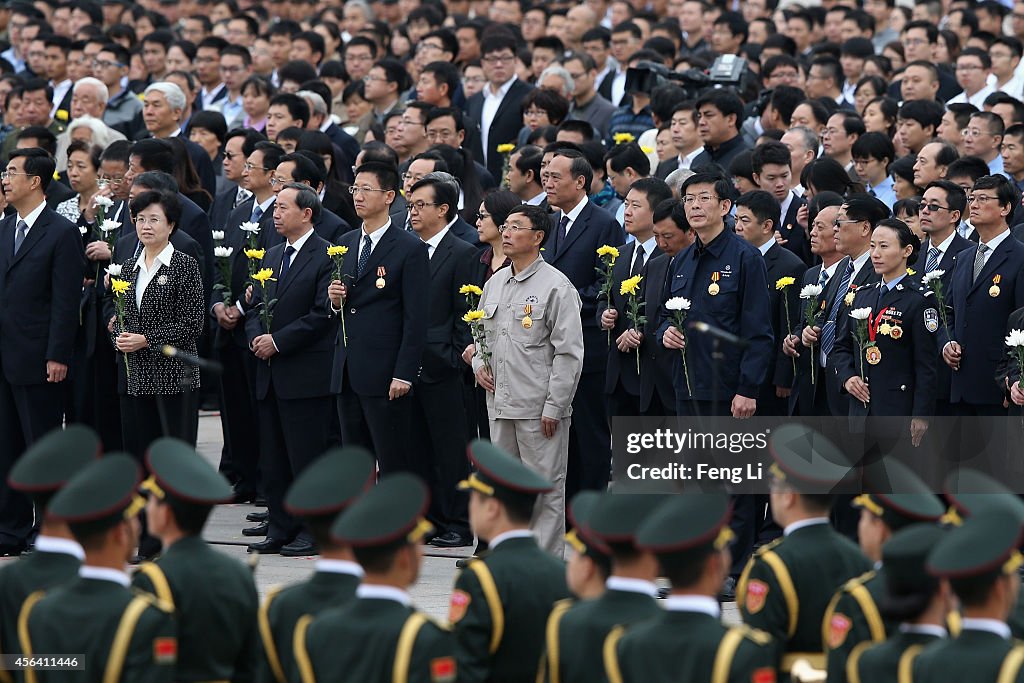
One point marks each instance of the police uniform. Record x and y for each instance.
(123, 635)
(980, 551)
(687, 641)
(378, 635)
(853, 616)
(502, 599)
(325, 488)
(41, 472)
(788, 584)
(213, 595)
(890, 661)
(900, 366)
(576, 631)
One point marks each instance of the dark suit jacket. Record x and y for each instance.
(386, 326)
(223, 205)
(40, 291)
(329, 227)
(781, 263)
(301, 325)
(605, 87)
(453, 264)
(801, 401)
(576, 257)
(838, 400)
(666, 167)
(57, 192)
(657, 365)
(797, 239)
(504, 128)
(466, 232)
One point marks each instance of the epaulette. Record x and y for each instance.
(156, 602)
(858, 580)
(769, 546)
(755, 635)
(564, 603)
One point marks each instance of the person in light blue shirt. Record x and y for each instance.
(872, 155)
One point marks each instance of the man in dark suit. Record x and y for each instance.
(162, 113)
(293, 371)
(496, 107)
(773, 172)
(580, 228)
(756, 213)
(41, 270)
(441, 431)
(309, 169)
(433, 162)
(622, 381)
(382, 310)
(239, 145)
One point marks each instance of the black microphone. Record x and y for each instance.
(190, 359)
(718, 333)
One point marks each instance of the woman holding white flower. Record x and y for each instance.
(885, 349)
(83, 170)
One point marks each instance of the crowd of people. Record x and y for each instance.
(406, 224)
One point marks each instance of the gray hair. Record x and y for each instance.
(810, 138)
(100, 132)
(366, 9)
(568, 85)
(675, 180)
(175, 96)
(454, 186)
(102, 93)
(305, 198)
(157, 180)
(316, 102)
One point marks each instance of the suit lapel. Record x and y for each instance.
(299, 261)
(35, 234)
(995, 262)
(441, 253)
(387, 242)
(575, 230)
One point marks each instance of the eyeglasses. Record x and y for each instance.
(105, 64)
(354, 190)
(232, 69)
(231, 155)
(275, 181)
(249, 167)
(480, 215)
(369, 78)
(412, 177)
(969, 67)
(4, 175)
(973, 133)
(836, 223)
(699, 198)
(933, 207)
(497, 59)
(980, 198)
(113, 180)
(358, 58)
(418, 206)
(914, 42)
(534, 113)
(513, 227)
(428, 47)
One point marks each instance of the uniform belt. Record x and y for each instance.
(815, 659)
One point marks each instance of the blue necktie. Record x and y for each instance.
(19, 236)
(364, 256)
(287, 262)
(823, 278)
(933, 259)
(257, 213)
(828, 331)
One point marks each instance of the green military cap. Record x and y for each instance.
(102, 493)
(581, 537)
(686, 522)
(391, 512)
(331, 482)
(806, 460)
(617, 516)
(984, 544)
(972, 492)
(897, 496)
(904, 556)
(52, 460)
(498, 472)
(181, 473)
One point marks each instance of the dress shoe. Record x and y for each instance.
(464, 562)
(10, 549)
(451, 539)
(728, 590)
(268, 546)
(299, 548)
(243, 496)
(258, 530)
(257, 516)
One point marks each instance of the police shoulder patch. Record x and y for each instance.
(765, 674)
(838, 628)
(459, 604)
(931, 319)
(757, 593)
(443, 670)
(165, 650)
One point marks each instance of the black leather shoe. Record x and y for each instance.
(299, 548)
(257, 516)
(258, 530)
(464, 562)
(728, 591)
(451, 539)
(269, 546)
(10, 549)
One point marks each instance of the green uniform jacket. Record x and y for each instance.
(499, 609)
(975, 656)
(37, 571)
(887, 662)
(282, 609)
(373, 640)
(215, 605)
(583, 627)
(689, 646)
(1016, 620)
(787, 585)
(124, 635)
(853, 618)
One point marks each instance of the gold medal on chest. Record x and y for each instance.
(873, 355)
(381, 272)
(527, 320)
(713, 288)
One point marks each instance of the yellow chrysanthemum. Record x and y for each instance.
(470, 289)
(911, 271)
(119, 286)
(647, 150)
(336, 250)
(62, 115)
(623, 138)
(608, 251)
(506, 148)
(630, 286)
(256, 253)
(263, 275)
(473, 316)
(784, 282)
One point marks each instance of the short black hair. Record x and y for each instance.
(43, 135)
(541, 221)
(673, 209)
(925, 112)
(444, 73)
(578, 165)
(655, 189)
(930, 29)
(315, 42)
(734, 20)
(724, 101)
(444, 193)
(723, 188)
(387, 175)
(762, 204)
(770, 153)
(784, 100)
(212, 121)
(1004, 191)
(272, 153)
(119, 150)
(167, 200)
(379, 152)
(306, 169)
(154, 155)
(832, 67)
(968, 167)
(986, 60)
(584, 128)
(597, 33)
(629, 155)
(874, 146)
(956, 198)
(628, 27)
(38, 162)
(297, 107)
(529, 159)
(297, 71)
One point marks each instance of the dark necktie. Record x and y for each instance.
(979, 260)
(289, 251)
(257, 213)
(563, 229)
(828, 331)
(933, 259)
(364, 256)
(638, 261)
(19, 235)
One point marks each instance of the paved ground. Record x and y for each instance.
(224, 531)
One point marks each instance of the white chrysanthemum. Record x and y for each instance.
(934, 275)
(222, 252)
(1015, 339)
(810, 291)
(114, 270)
(250, 227)
(218, 235)
(105, 202)
(860, 313)
(678, 303)
(82, 229)
(109, 226)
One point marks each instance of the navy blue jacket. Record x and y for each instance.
(741, 307)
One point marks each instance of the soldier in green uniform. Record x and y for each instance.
(589, 564)
(502, 599)
(918, 603)
(787, 585)
(980, 561)
(689, 534)
(41, 472)
(325, 488)
(213, 595)
(123, 635)
(378, 636)
(576, 631)
(853, 616)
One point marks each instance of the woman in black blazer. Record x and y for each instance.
(162, 306)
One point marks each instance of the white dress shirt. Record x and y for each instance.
(104, 574)
(492, 101)
(803, 523)
(30, 219)
(146, 274)
(515, 533)
(378, 592)
(436, 239)
(574, 214)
